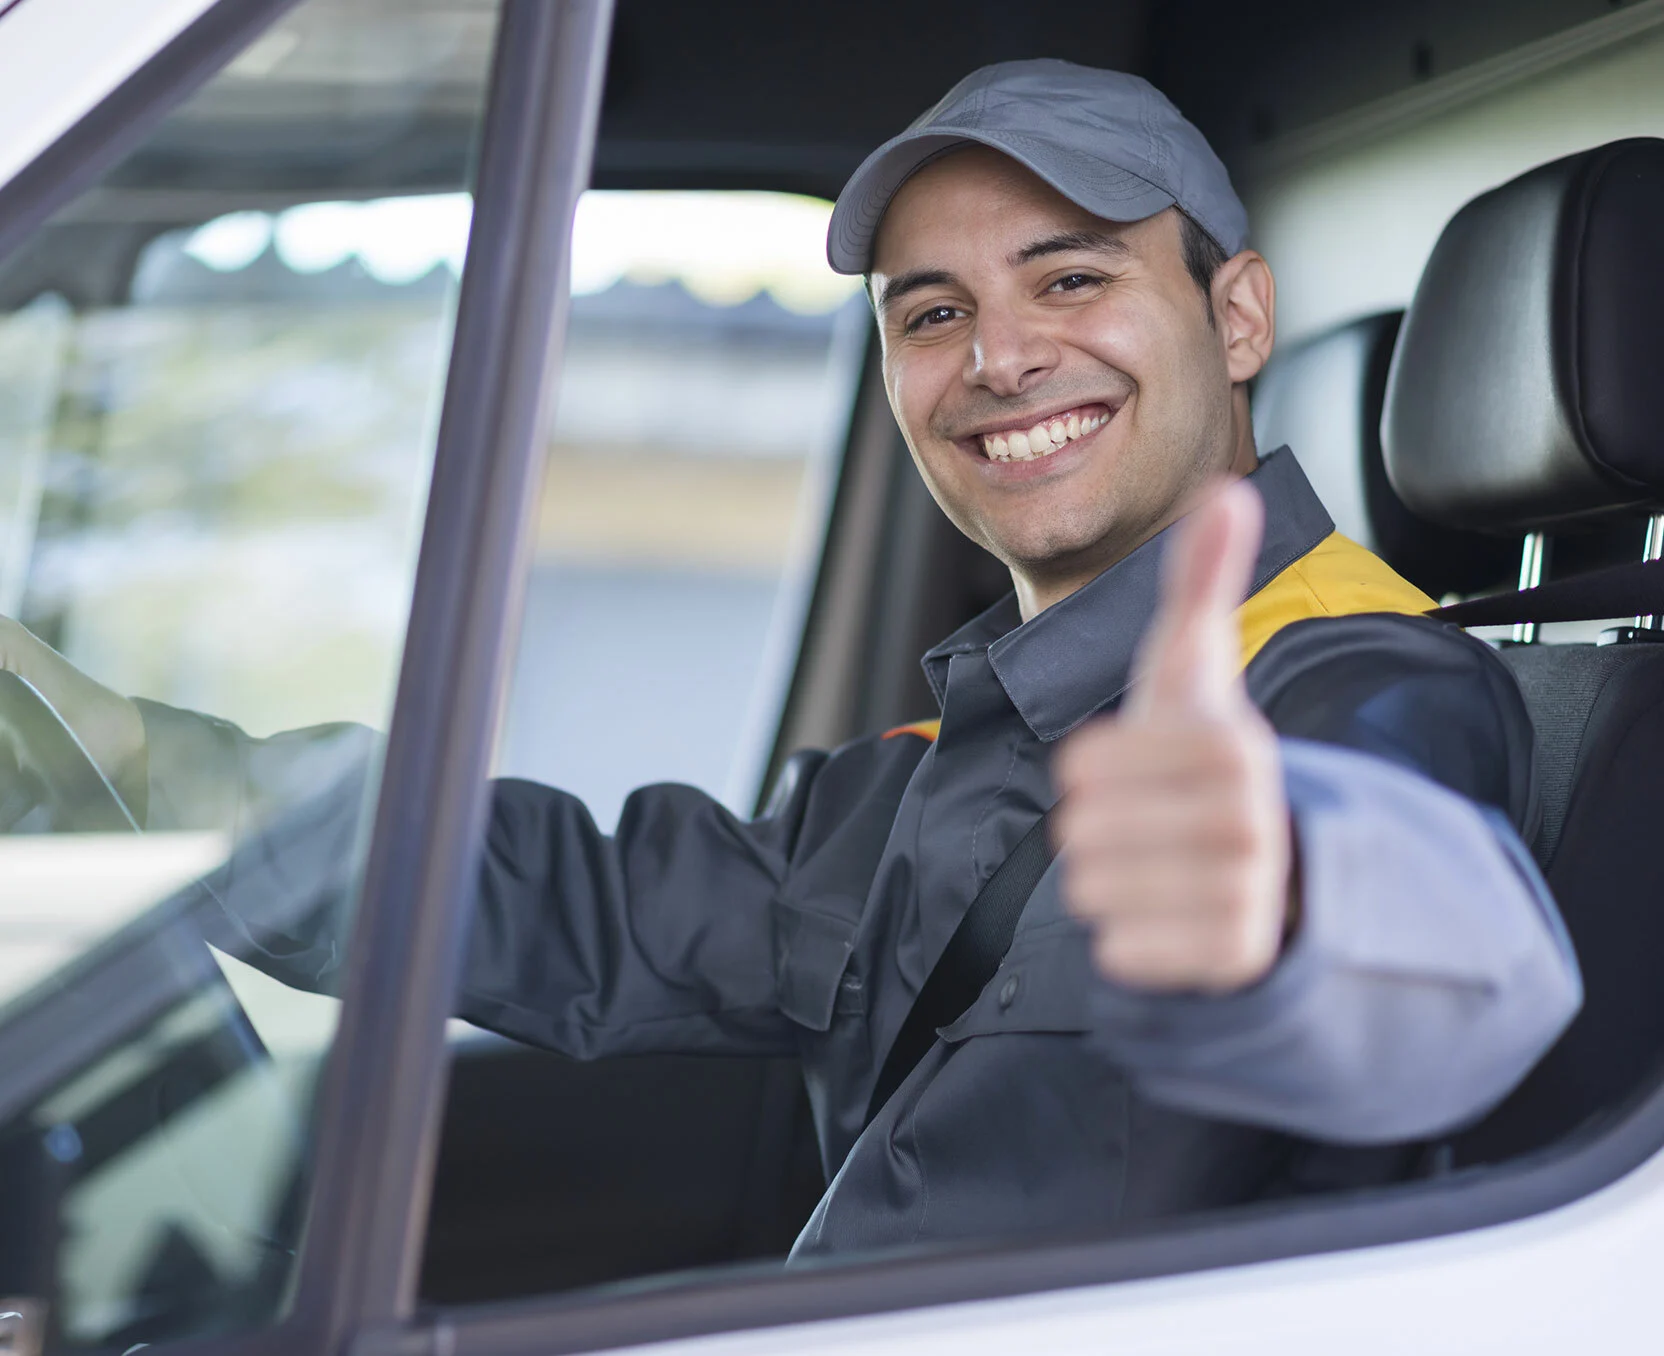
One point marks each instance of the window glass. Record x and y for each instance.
(220, 375)
(707, 383)
(709, 367)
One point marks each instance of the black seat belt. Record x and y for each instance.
(1633, 590)
(969, 960)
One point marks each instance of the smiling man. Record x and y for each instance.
(1062, 379)
(1290, 931)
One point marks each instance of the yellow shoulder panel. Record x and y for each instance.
(1336, 578)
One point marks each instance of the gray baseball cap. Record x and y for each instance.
(1109, 142)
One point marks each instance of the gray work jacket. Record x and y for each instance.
(1428, 973)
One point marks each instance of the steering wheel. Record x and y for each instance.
(52, 769)
(43, 746)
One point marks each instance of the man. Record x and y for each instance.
(1292, 929)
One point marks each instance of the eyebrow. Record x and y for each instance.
(915, 281)
(1066, 241)
(1062, 242)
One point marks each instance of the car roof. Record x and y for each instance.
(756, 94)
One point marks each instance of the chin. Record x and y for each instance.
(1053, 559)
(1058, 548)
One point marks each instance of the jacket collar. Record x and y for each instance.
(1076, 657)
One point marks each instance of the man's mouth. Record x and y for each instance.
(1045, 436)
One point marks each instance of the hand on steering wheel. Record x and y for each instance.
(43, 747)
(64, 739)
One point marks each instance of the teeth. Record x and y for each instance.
(1041, 440)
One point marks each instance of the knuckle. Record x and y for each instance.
(1227, 830)
(1240, 834)
(1232, 758)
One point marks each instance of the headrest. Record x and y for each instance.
(1323, 397)
(1527, 389)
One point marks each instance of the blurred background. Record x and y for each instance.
(210, 488)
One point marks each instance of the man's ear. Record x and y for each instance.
(1245, 303)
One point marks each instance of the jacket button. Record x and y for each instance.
(1008, 992)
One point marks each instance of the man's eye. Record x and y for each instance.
(1073, 282)
(936, 315)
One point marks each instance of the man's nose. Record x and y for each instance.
(1007, 355)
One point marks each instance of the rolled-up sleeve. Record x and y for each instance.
(1429, 969)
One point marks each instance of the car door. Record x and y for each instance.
(318, 485)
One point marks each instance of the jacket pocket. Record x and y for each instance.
(1042, 985)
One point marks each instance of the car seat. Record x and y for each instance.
(1525, 397)
(1323, 398)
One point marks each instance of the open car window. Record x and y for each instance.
(711, 361)
(221, 371)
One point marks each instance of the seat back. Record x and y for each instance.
(1516, 403)
(1599, 713)
(1323, 398)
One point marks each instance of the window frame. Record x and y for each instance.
(118, 124)
(382, 1091)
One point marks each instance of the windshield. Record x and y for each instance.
(220, 376)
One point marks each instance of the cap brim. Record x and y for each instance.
(1102, 189)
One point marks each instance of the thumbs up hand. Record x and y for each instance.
(1172, 824)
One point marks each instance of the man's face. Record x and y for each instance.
(1055, 375)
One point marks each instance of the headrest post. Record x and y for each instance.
(1653, 550)
(1533, 566)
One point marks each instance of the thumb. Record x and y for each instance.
(1190, 657)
